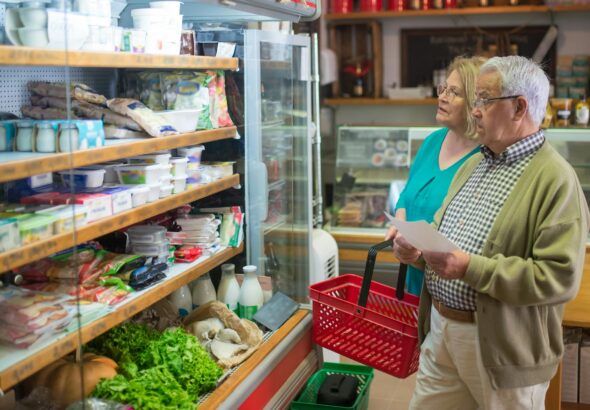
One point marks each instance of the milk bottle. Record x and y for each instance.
(203, 291)
(229, 289)
(181, 300)
(251, 297)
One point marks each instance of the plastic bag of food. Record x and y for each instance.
(20, 306)
(78, 91)
(152, 123)
(39, 113)
(151, 90)
(218, 112)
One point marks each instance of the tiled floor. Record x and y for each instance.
(388, 392)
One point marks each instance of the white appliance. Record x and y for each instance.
(324, 257)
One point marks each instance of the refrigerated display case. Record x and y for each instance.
(278, 157)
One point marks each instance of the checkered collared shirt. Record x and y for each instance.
(469, 217)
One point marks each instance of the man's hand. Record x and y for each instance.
(447, 265)
(405, 252)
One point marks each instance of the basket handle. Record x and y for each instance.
(370, 266)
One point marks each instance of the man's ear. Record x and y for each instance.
(522, 106)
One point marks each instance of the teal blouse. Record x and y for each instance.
(425, 191)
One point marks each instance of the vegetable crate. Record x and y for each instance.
(379, 331)
(307, 400)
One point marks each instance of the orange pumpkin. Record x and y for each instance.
(62, 377)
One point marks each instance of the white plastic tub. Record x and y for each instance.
(182, 120)
(179, 184)
(139, 194)
(193, 154)
(154, 192)
(166, 190)
(164, 171)
(179, 165)
(139, 174)
(83, 177)
(110, 175)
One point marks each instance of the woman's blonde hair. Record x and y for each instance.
(468, 69)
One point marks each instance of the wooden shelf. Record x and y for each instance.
(37, 250)
(340, 102)
(16, 55)
(386, 14)
(178, 276)
(574, 406)
(218, 396)
(37, 163)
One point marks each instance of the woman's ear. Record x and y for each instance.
(522, 106)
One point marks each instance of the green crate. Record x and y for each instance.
(307, 400)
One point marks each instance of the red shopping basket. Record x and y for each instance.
(379, 331)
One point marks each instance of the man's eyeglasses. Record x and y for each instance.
(444, 89)
(482, 102)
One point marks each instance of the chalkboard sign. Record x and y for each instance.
(425, 50)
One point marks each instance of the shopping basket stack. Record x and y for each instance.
(366, 321)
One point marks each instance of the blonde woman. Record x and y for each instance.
(442, 152)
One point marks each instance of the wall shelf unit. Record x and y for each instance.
(344, 18)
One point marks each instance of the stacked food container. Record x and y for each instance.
(162, 23)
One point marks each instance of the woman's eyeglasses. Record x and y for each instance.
(482, 102)
(444, 89)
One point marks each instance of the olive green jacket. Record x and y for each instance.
(531, 264)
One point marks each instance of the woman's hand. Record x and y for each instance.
(392, 232)
(405, 252)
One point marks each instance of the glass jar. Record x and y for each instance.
(45, 138)
(24, 136)
(6, 135)
(68, 137)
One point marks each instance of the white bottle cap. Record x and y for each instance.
(250, 268)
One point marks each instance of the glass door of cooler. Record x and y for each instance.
(278, 158)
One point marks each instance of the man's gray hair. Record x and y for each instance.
(522, 76)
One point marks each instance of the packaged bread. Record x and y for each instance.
(152, 123)
(87, 110)
(39, 113)
(78, 91)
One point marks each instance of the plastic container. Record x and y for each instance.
(251, 297)
(159, 158)
(308, 397)
(67, 217)
(139, 174)
(83, 177)
(193, 154)
(147, 234)
(36, 228)
(179, 165)
(110, 168)
(164, 172)
(154, 191)
(179, 184)
(182, 120)
(149, 249)
(166, 190)
(9, 234)
(139, 194)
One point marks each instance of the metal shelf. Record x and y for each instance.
(15, 165)
(37, 250)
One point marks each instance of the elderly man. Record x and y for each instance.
(490, 314)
